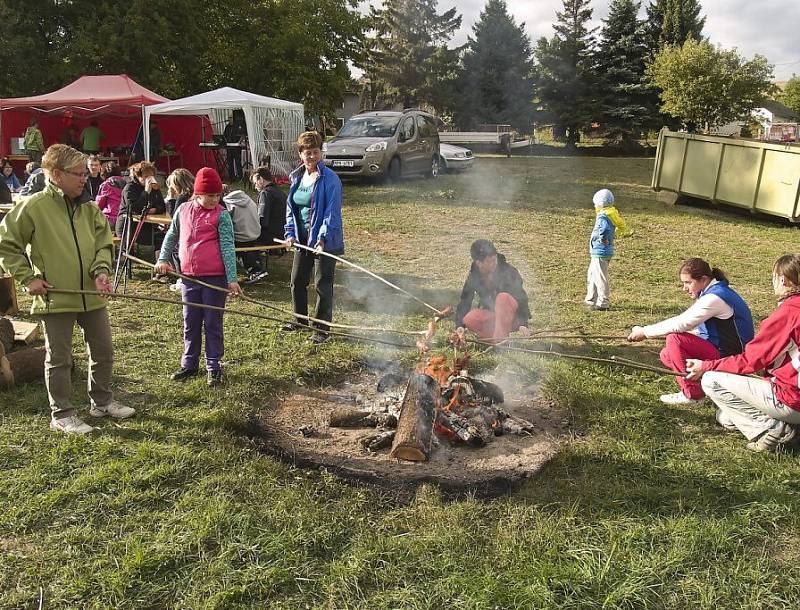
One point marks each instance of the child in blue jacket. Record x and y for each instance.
(601, 249)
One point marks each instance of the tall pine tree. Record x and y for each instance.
(410, 61)
(628, 102)
(565, 74)
(496, 83)
(673, 22)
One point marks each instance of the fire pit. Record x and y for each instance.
(435, 424)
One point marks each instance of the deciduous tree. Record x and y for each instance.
(703, 85)
(791, 93)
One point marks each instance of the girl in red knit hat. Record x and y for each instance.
(204, 231)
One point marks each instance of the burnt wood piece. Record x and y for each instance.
(376, 442)
(457, 428)
(515, 425)
(343, 417)
(21, 366)
(415, 425)
(8, 296)
(6, 334)
(488, 390)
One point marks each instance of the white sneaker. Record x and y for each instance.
(176, 287)
(724, 420)
(70, 425)
(114, 409)
(679, 398)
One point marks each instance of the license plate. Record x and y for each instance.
(344, 163)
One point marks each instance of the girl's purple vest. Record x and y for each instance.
(199, 249)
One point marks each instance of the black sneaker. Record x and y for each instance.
(182, 374)
(319, 338)
(214, 378)
(255, 277)
(291, 327)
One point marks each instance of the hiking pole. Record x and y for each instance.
(244, 297)
(367, 271)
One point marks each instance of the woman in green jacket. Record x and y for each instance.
(69, 245)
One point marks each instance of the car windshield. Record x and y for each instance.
(369, 127)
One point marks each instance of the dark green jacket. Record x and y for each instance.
(68, 245)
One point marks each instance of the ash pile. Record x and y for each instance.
(438, 403)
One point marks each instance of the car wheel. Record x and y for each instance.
(433, 172)
(394, 169)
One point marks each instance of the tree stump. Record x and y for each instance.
(22, 366)
(6, 334)
(412, 441)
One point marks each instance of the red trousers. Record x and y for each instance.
(680, 347)
(494, 325)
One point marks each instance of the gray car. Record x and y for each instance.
(385, 143)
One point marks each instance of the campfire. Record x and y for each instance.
(439, 402)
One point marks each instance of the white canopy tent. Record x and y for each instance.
(273, 125)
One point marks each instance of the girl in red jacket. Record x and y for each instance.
(765, 409)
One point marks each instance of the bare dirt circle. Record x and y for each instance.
(295, 428)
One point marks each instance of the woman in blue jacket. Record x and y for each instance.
(314, 219)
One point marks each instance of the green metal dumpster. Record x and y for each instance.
(758, 176)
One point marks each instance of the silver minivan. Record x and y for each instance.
(385, 143)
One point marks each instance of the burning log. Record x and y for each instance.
(376, 442)
(455, 427)
(21, 366)
(415, 425)
(488, 390)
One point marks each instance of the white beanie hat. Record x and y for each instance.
(603, 198)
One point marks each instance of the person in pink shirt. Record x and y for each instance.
(110, 192)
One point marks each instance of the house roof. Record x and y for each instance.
(778, 109)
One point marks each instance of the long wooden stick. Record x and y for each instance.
(367, 271)
(244, 297)
(139, 297)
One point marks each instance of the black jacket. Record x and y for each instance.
(272, 212)
(505, 279)
(91, 187)
(135, 198)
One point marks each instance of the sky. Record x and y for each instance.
(766, 27)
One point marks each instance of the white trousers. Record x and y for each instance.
(597, 282)
(749, 403)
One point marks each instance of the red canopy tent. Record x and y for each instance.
(116, 102)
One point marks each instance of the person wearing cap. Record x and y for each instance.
(53, 240)
(601, 249)
(203, 230)
(502, 301)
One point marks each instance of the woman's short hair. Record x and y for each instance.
(109, 169)
(697, 268)
(144, 167)
(62, 157)
(309, 139)
(263, 173)
(181, 181)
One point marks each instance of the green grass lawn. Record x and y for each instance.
(648, 507)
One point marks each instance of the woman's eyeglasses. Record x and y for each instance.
(76, 174)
